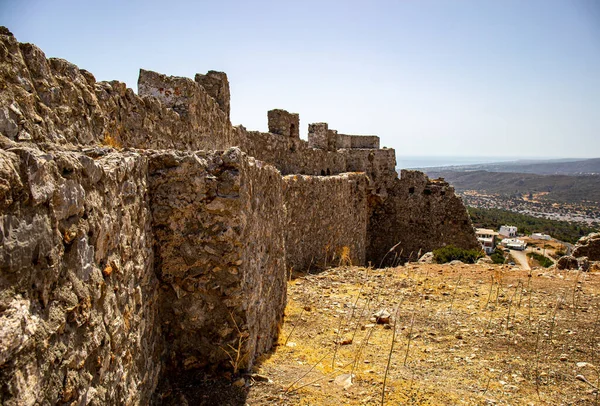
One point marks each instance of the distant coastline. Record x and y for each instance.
(418, 162)
(409, 162)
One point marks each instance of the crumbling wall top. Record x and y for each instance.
(284, 123)
(216, 84)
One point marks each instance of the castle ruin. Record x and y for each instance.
(143, 233)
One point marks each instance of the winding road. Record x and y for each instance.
(521, 259)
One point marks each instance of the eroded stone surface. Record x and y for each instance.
(588, 246)
(218, 221)
(417, 216)
(79, 320)
(326, 220)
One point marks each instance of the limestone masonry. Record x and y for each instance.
(142, 234)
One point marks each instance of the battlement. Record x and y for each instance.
(322, 137)
(283, 123)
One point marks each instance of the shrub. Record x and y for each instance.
(497, 256)
(451, 253)
(542, 260)
(111, 141)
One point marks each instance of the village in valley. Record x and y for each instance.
(522, 250)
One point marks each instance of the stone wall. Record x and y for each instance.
(417, 216)
(218, 222)
(378, 164)
(283, 123)
(205, 124)
(290, 155)
(216, 85)
(78, 294)
(129, 246)
(52, 101)
(326, 217)
(344, 141)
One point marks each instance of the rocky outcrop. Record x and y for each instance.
(588, 246)
(567, 262)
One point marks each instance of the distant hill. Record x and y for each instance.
(560, 188)
(550, 167)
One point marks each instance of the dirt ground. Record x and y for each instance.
(457, 335)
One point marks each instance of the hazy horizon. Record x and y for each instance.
(431, 78)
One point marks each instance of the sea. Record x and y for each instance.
(409, 162)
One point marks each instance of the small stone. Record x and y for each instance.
(240, 382)
(382, 317)
(344, 380)
(563, 357)
(261, 378)
(24, 136)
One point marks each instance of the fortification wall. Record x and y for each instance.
(115, 261)
(79, 299)
(290, 154)
(52, 101)
(418, 216)
(325, 216)
(218, 221)
(378, 164)
(345, 141)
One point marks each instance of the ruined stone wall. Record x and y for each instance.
(78, 294)
(218, 221)
(418, 216)
(205, 124)
(283, 123)
(52, 101)
(290, 155)
(324, 215)
(379, 165)
(216, 85)
(114, 261)
(345, 141)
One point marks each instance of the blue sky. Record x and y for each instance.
(449, 78)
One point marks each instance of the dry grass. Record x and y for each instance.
(111, 141)
(467, 334)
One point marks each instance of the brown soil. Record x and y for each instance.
(462, 334)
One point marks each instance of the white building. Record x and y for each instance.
(514, 244)
(509, 231)
(487, 238)
(540, 236)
